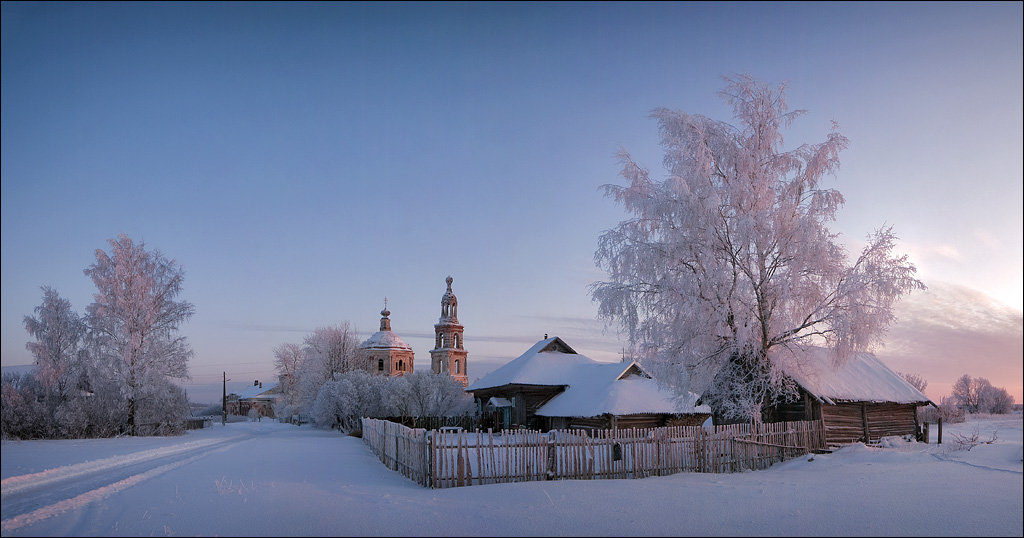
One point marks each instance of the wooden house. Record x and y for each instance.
(254, 397)
(551, 386)
(858, 400)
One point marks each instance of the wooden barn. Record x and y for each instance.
(859, 400)
(553, 387)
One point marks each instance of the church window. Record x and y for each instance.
(380, 365)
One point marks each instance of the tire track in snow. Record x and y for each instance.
(81, 469)
(17, 484)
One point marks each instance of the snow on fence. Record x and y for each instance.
(450, 458)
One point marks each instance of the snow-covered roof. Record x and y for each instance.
(548, 362)
(592, 388)
(616, 389)
(863, 377)
(385, 340)
(254, 391)
(498, 401)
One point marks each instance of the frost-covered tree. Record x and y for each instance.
(134, 321)
(23, 413)
(331, 350)
(288, 359)
(58, 349)
(977, 395)
(351, 396)
(427, 394)
(965, 393)
(728, 263)
(327, 352)
(995, 400)
(357, 394)
(916, 380)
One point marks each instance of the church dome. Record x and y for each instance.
(384, 338)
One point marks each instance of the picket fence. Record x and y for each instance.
(446, 458)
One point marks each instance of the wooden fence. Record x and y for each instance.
(441, 459)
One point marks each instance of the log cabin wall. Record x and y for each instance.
(805, 407)
(851, 422)
(888, 419)
(640, 421)
(695, 419)
(844, 423)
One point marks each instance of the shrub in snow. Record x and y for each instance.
(353, 395)
(948, 410)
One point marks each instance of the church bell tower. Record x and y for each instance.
(448, 355)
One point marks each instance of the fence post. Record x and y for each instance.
(551, 460)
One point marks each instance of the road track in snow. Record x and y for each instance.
(29, 498)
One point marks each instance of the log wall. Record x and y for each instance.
(851, 422)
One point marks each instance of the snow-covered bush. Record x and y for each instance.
(948, 411)
(357, 394)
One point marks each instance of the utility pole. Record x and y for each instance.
(224, 403)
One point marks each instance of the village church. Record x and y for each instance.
(385, 353)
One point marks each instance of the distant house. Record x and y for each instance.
(551, 386)
(259, 396)
(859, 400)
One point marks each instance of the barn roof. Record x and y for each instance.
(592, 388)
(863, 378)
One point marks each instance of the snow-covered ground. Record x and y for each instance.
(272, 479)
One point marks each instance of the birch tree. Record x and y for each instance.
(331, 350)
(288, 359)
(134, 321)
(57, 351)
(727, 266)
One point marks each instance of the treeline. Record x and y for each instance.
(969, 395)
(977, 395)
(106, 372)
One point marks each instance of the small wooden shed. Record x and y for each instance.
(859, 400)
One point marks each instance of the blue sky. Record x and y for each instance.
(302, 161)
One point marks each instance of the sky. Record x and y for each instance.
(304, 161)
(274, 479)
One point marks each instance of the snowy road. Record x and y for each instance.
(33, 497)
(272, 479)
